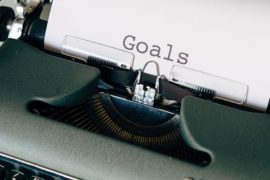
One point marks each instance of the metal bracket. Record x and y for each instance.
(147, 96)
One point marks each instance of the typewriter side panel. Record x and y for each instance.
(89, 156)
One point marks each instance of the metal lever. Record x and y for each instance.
(147, 96)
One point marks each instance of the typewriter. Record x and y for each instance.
(75, 115)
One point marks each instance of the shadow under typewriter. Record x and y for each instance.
(131, 122)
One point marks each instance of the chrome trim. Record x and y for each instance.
(38, 166)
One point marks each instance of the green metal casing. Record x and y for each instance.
(238, 141)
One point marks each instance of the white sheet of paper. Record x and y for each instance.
(225, 38)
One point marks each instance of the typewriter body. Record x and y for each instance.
(75, 115)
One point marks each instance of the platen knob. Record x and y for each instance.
(7, 16)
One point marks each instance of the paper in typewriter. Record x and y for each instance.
(228, 40)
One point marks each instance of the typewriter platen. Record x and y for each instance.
(190, 135)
